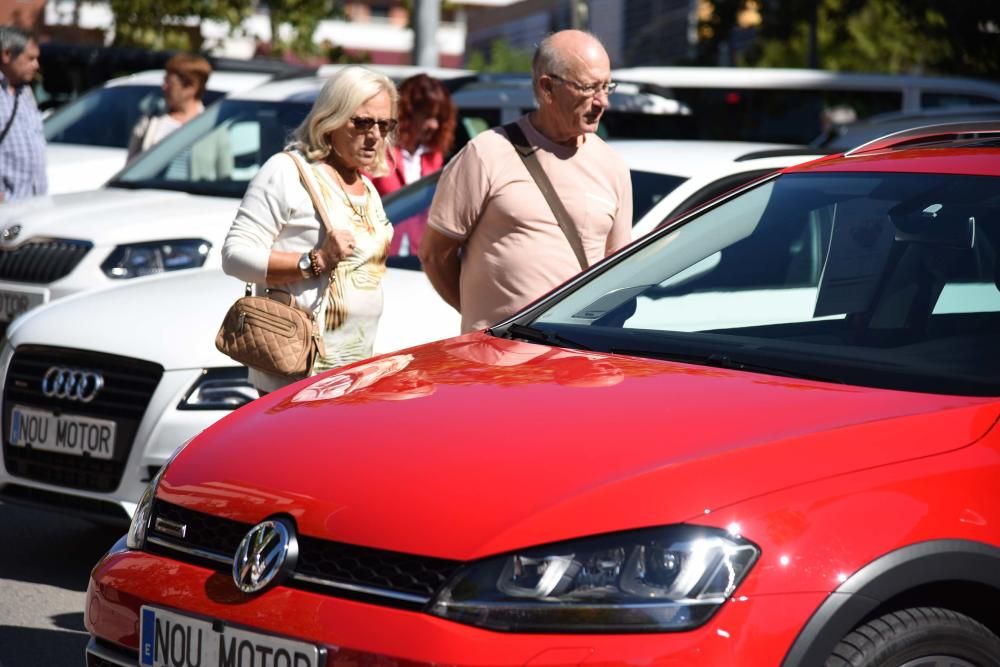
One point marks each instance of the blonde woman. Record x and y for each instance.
(276, 240)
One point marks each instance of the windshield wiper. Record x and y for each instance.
(720, 360)
(535, 335)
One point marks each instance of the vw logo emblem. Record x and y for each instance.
(72, 384)
(268, 550)
(11, 233)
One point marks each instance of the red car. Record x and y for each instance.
(765, 434)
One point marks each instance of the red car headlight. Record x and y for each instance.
(660, 579)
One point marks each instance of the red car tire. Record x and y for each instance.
(925, 636)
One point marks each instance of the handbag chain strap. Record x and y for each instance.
(529, 156)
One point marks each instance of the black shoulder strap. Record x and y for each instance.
(528, 155)
(10, 121)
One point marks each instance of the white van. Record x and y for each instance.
(797, 105)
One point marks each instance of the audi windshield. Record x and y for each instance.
(877, 279)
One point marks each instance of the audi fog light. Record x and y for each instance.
(219, 389)
(143, 259)
(662, 579)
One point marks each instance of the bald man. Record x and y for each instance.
(492, 243)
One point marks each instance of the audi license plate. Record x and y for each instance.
(66, 434)
(174, 640)
(13, 304)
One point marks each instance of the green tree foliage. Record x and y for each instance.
(171, 24)
(164, 24)
(502, 58)
(302, 16)
(892, 36)
(970, 28)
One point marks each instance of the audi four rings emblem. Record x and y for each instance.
(267, 550)
(72, 384)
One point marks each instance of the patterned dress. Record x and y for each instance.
(353, 305)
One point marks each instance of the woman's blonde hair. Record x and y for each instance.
(337, 101)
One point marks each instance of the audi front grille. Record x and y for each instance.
(42, 261)
(126, 388)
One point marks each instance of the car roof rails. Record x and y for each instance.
(944, 133)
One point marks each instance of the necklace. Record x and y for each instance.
(363, 213)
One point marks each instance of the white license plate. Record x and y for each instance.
(13, 304)
(66, 434)
(174, 640)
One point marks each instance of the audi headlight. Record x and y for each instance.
(662, 579)
(219, 389)
(143, 259)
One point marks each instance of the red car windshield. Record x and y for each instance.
(877, 279)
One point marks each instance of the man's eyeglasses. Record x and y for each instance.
(590, 89)
(365, 124)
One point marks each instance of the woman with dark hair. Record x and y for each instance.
(427, 118)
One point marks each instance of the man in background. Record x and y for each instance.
(22, 140)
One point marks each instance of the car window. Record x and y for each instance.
(648, 188)
(786, 116)
(218, 152)
(879, 279)
(407, 209)
(936, 100)
(106, 116)
(638, 125)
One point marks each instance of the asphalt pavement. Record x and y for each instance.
(45, 561)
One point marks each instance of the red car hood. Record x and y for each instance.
(477, 445)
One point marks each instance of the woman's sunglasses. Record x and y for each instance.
(365, 124)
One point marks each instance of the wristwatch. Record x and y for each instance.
(305, 266)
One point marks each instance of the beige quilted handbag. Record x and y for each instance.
(263, 333)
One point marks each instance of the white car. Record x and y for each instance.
(87, 139)
(110, 384)
(146, 371)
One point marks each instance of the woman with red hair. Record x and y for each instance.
(427, 118)
(425, 135)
